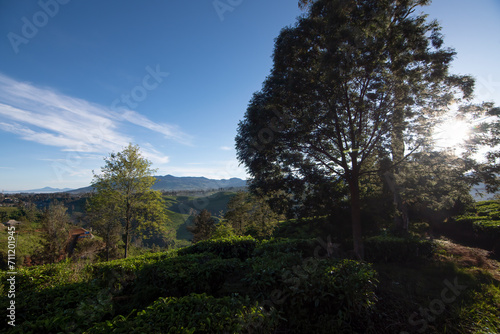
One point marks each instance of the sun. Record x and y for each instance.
(451, 133)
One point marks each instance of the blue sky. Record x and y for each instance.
(80, 79)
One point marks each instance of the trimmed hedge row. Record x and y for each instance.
(183, 275)
(196, 313)
(397, 249)
(479, 226)
(304, 246)
(314, 295)
(226, 248)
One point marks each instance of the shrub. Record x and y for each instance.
(479, 226)
(194, 314)
(330, 298)
(180, 276)
(235, 247)
(65, 308)
(313, 295)
(266, 272)
(397, 249)
(304, 246)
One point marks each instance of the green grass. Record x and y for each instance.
(214, 203)
(179, 223)
(8, 209)
(27, 238)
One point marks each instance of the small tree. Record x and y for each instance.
(101, 212)
(124, 186)
(250, 214)
(55, 231)
(204, 226)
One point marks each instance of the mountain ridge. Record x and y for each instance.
(163, 183)
(179, 183)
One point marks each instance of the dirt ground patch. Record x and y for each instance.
(468, 257)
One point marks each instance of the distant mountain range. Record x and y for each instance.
(169, 182)
(163, 183)
(46, 190)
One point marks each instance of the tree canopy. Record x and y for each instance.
(353, 82)
(124, 186)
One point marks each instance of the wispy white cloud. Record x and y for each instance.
(47, 117)
(226, 148)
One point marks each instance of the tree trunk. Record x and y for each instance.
(401, 219)
(107, 250)
(398, 153)
(357, 235)
(127, 228)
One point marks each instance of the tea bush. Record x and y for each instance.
(234, 247)
(326, 298)
(305, 246)
(183, 275)
(313, 295)
(196, 313)
(397, 249)
(479, 226)
(265, 273)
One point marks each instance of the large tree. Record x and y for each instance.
(353, 82)
(124, 185)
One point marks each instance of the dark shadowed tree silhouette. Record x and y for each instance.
(353, 82)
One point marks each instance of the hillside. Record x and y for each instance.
(180, 209)
(179, 212)
(242, 285)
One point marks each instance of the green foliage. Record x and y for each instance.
(479, 225)
(352, 83)
(234, 247)
(55, 232)
(314, 295)
(196, 313)
(214, 203)
(251, 215)
(182, 275)
(306, 228)
(223, 230)
(306, 247)
(485, 137)
(28, 242)
(203, 226)
(266, 272)
(433, 181)
(123, 193)
(397, 249)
